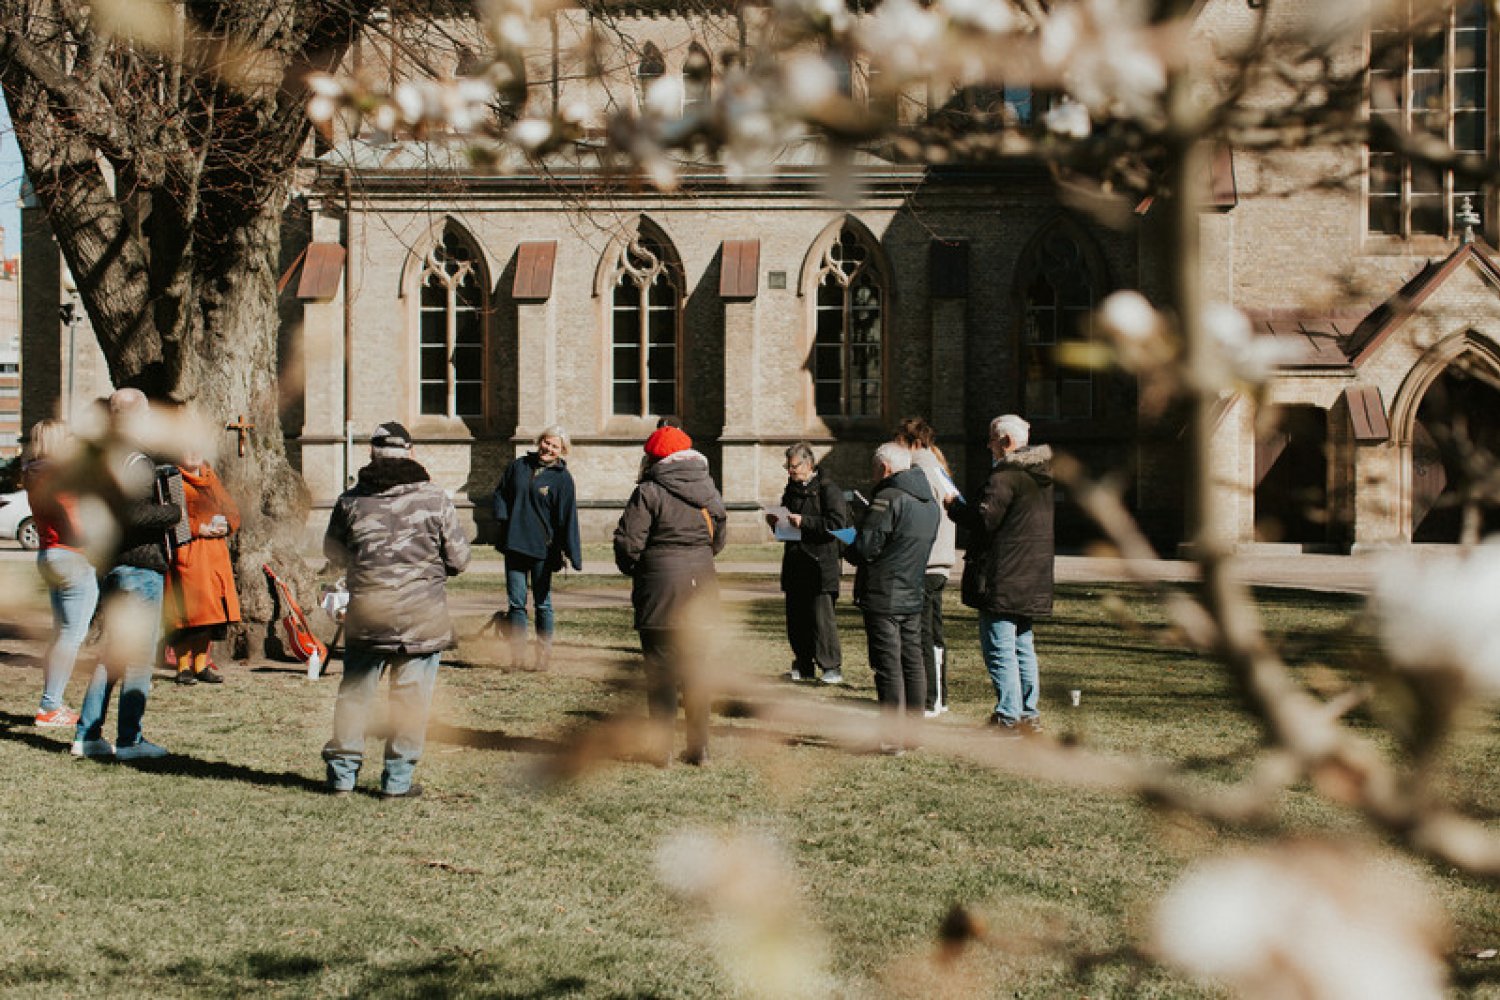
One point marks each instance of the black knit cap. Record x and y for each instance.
(390, 435)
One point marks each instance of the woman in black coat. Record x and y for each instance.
(810, 567)
(672, 527)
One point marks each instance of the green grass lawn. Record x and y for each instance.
(222, 871)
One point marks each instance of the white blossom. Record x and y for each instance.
(1069, 118)
(902, 37)
(325, 85)
(408, 100)
(1129, 316)
(990, 16)
(664, 96)
(809, 80)
(1438, 612)
(531, 133)
(1303, 921)
(321, 110)
(1245, 356)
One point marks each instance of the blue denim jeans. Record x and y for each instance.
(74, 590)
(143, 588)
(412, 681)
(1008, 644)
(521, 572)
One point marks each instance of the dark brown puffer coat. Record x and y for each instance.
(666, 545)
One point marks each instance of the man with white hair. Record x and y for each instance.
(1008, 568)
(131, 595)
(400, 539)
(890, 549)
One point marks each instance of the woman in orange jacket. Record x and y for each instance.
(202, 601)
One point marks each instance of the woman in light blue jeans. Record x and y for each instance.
(74, 590)
(70, 578)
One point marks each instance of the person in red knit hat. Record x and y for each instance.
(666, 541)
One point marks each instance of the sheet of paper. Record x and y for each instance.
(784, 531)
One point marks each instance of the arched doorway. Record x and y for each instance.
(1291, 478)
(1455, 454)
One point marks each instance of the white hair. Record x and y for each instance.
(893, 456)
(1010, 426)
(556, 431)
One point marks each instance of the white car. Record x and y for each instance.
(16, 521)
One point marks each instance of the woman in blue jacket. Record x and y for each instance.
(536, 511)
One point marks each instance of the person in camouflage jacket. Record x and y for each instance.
(399, 539)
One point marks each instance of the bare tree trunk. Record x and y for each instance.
(227, 369)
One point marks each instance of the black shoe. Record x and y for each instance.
(697, 758)
(210, 675)
(412, 792)
(339, 793)
(1031, 725)
(186, 678)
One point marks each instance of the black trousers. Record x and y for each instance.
(813, 631)
(672, 661)
(932, 640)
(895, 643)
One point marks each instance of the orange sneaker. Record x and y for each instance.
(58, 718)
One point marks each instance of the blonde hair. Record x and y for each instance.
(47, 439)
(556, 431)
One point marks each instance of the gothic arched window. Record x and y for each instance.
(1058, 293)
(849, 340)
(451, 340)
(645, 328)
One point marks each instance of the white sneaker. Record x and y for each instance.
(932, 713)
(93, 748)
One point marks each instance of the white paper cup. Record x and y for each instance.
(1075, 696)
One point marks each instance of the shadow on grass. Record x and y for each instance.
(449, 975)
(20, 729)
(14, 728)
(183, 766)
(489, 739)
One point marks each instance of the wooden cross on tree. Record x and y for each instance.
(242, 429)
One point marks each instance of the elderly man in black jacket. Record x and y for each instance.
(1008, 568)
(895, 536)
(810, 566)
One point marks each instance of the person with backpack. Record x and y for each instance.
(810, 567)
(536, 514)
(673, 526)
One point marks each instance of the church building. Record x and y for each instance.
(481, 306)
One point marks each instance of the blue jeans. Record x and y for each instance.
(142, 588)
(1008, 644)
(412, 681)
(74, 590)
(521, 571)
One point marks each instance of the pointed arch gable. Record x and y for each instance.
(812, 260)
(639, 227)
(1433, 362)
(431, 235)
(1406, 406)
(1068, 226)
